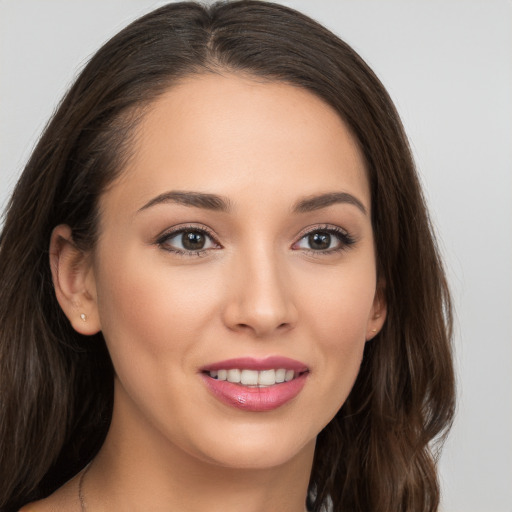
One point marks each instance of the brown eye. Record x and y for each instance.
(319, 241)
(188, 241)
(193, 240)
(328, 240)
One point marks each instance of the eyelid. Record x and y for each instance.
(345, 239)
(180, 228)
(320, 227)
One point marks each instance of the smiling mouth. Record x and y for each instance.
(255, 378)
(255, 384)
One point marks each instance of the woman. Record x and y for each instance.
(220, 287)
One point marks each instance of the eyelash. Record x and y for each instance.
(344, 238)
(165, 237)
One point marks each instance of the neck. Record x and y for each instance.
(138, 469)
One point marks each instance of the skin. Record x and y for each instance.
(258, 289)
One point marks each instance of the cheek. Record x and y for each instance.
(147, 312)
(338, 310)
(340, 303)
(342, 336)
(150, 321)
(140, 293)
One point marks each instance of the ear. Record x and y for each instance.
(74, 281)
(377, 313)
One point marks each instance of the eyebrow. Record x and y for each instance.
(317, 202)
(222, 204)
(195, 199)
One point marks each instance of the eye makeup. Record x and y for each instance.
(196, 241)
(323, 237)
(188, 240)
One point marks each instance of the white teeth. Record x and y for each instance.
(249, 377)
(267, 378)
(280, 374)
(253, 377)
(234, 376)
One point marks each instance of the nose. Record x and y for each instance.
(260, 295)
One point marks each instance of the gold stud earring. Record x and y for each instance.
(83, 316)
(374, 330)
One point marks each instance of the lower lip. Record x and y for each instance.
(255, 399)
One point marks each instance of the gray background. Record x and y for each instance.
(448, 66)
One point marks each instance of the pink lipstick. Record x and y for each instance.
(255, 385)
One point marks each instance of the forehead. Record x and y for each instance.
(226, 133)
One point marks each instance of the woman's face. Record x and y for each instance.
(237, 244)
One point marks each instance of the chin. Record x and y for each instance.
(255, 451)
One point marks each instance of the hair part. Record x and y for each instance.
(56, 386)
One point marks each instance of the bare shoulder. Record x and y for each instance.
(64, 499)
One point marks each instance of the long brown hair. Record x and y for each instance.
(56, 387)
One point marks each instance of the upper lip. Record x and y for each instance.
(252, 363)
